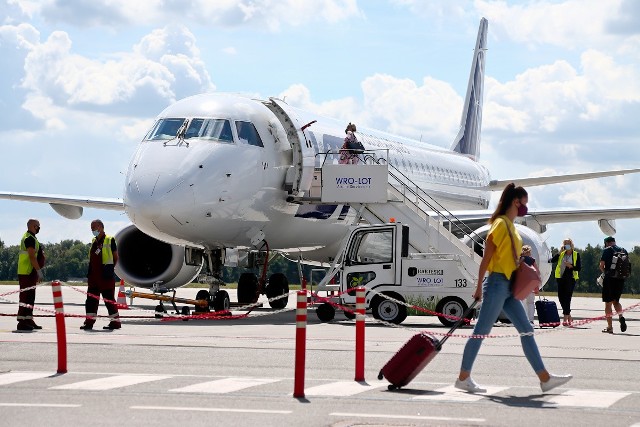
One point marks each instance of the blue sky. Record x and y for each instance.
(83, 80)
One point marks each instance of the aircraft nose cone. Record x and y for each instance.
(148, 194)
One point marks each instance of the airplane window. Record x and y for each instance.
(165, 129)
(210, 129)
(247, 134)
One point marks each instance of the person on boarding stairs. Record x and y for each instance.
(566, 274)
(30, 262)
(496, 293)
(103, 258)
(611, 286)
(529, 301)
(347, 156)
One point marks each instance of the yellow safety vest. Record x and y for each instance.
(24, 263)
(560, 258)
(107, 253)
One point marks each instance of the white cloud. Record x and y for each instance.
(269, 14)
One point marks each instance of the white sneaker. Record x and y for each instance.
(469, 385)
(555, 381)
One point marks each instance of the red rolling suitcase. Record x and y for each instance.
(414, 355)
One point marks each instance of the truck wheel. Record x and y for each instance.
(451, 306)
(349, 315)
(325, 312)
(247, 288)
(389, 311)
(278, 285)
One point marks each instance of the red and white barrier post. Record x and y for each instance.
(301, 344)
(60, 326)
(360, 310)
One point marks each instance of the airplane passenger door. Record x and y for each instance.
(299, 177)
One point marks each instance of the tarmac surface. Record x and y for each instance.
(240, 371)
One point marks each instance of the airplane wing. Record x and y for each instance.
(539, 219)
(70, 207)
(498, 185)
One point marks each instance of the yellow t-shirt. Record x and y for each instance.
(502, 260)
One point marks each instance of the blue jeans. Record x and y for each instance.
(496, 296)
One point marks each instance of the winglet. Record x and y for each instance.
(468, 139)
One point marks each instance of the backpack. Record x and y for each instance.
(355, 146)
(620, 264)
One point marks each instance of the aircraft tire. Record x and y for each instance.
(278, 285)
(247, 288)
(452, 306)
(325, 312)
(221, 301)
(186, 311)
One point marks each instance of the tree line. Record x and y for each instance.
(69, 259)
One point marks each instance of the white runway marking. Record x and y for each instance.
(587, 398)
(407, 417)
(110, 383)
(199, 409)
(451, 393)
(41, 405)
(226, 385)
(16, 377)
(342, 388)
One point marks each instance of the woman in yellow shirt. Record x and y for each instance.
(495, 291)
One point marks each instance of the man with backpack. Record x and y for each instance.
(615, 265)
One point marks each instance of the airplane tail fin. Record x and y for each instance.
(468, 139)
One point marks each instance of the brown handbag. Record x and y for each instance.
(526, 278)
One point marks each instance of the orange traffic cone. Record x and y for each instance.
(121, 302)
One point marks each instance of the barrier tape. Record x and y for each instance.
(217, 316)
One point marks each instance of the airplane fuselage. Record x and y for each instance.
(223, 179)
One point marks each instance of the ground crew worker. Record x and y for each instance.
(30, 263)
(103, 258)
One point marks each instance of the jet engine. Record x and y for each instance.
(145, 261)
(539, 249)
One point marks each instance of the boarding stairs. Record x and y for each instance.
(432, 225)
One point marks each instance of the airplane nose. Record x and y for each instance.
(150, 195)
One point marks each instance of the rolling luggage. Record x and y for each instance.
(547, 313)
(414, 355)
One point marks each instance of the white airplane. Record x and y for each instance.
(221, 172)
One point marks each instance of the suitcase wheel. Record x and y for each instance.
(380, 376)
(391, 387)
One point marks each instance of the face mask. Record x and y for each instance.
(37, 230)
(567, 247)
(96, 233)
(522, 210)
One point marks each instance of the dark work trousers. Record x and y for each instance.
(565, 292)
(93, 301)
(25, 314)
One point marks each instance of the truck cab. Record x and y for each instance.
(377, 257)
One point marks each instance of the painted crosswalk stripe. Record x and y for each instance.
(587, 398)
(110, 383)
(450, 393)
(16, 377)
(342, 388)
(226, 385)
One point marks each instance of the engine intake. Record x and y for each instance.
(144, 261)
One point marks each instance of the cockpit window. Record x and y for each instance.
(165, 129)
(247, 134)
(211, 129)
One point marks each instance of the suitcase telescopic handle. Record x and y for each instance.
(457, 324)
